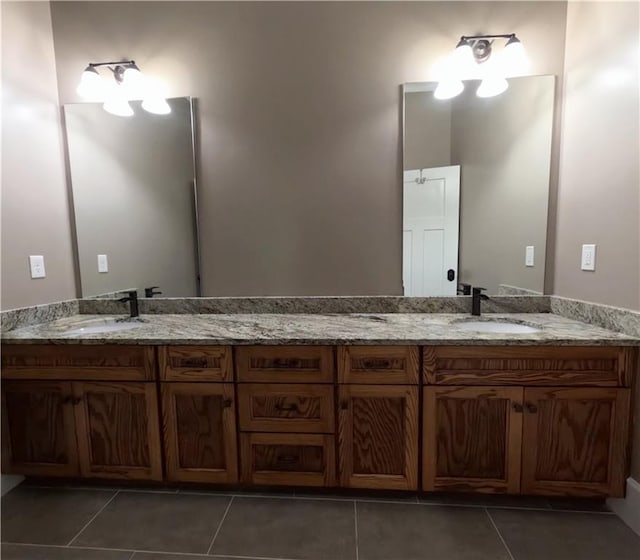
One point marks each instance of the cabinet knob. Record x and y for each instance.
(517, 407)
(226, 403)
(67, 400)
(76, 400)
(532, 408)
(344, 405)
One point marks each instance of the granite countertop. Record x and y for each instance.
(391, 328)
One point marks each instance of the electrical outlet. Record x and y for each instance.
(36, 264)
(528, 255)
(103, 264)
(588, 257)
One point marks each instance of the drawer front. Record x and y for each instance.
(539, 366)
(394, 365)
(286, 408)
(112, 362)
(285, 364)
(196, 363)
(288, 459)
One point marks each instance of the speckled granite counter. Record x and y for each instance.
(392, 328)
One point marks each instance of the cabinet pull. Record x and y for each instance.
(517, 407)
(344, 405)
(532, 408)
(226, 403)
(376, 364)
(287, 407)
(76, 400)
(194, 363)
(287, 459)
(67, 400)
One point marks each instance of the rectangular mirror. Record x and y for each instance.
(476, 188)
(133, 184)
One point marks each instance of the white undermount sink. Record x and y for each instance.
(502, 327)
(105, 326)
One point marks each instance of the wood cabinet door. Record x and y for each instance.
(472, 439)
(38, 429)
(378, 436)
(390, 365)
(118, 430)
(199, 421)
(575, 441)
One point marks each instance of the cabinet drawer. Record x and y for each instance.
(288, 459)
(195, 363)
(286, 408)
(113, 362)
(586, 366)
(395, 365)
(285, 364)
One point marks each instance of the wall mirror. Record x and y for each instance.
(133, 184)
(476, 188)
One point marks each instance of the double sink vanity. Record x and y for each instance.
(517, 403)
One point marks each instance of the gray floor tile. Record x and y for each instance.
(288, 528)
(539, 535)
(485, 500)
(48, 516)
(409, 532)
(156, 522)
(579, 504)
(162, 556)
(29, 552)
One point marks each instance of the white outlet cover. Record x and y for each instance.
(36, 265)
(588, 257)
(528, 255)
(103, 263)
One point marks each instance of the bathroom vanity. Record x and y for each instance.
(540, 414)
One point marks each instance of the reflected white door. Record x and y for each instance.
(431, 216)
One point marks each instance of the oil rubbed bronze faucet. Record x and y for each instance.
(132, 298)
(476, 297)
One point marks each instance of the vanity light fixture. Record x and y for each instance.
(470, 59)
(129, 83)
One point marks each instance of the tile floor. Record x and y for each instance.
(98, 523)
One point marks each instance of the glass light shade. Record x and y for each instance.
(514, 60)
(462, 62)
(117, 104)
(491, 86)
(91, 84)
(448, 88)
(156, 105)
(134, 83)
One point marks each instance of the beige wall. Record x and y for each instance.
(427, 131)
(503, 145)
(133, 198)
(35, 211)
(599, 194)
(300, 122)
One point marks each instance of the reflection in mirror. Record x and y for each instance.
(476, 188)
(133, 185)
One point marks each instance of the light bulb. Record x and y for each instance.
(133, 82)
(491, 86)
(91, 84)
(156, 105)
(117, 104)
(448, 88)
(513, 59)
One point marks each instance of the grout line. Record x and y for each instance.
(248, 557)
(226, 511)
(92, 519)
(355, 515)
(132, 555)
(67, 546)
(504, 543)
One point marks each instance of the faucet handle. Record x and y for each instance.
(464, 289)
(150, 292)
(131, 294)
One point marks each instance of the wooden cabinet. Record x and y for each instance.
(199, 426)
(558, 425)
(195, 363)
(38, 428)
(389, 365)
(118, 430)
(285, 364)
(288, 459)
(286, 408)
(575, 439)
(472, 439)
(378, 436)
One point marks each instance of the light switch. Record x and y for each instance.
(588, 257)
(103, 265)
(528, 255)
(36, 263)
